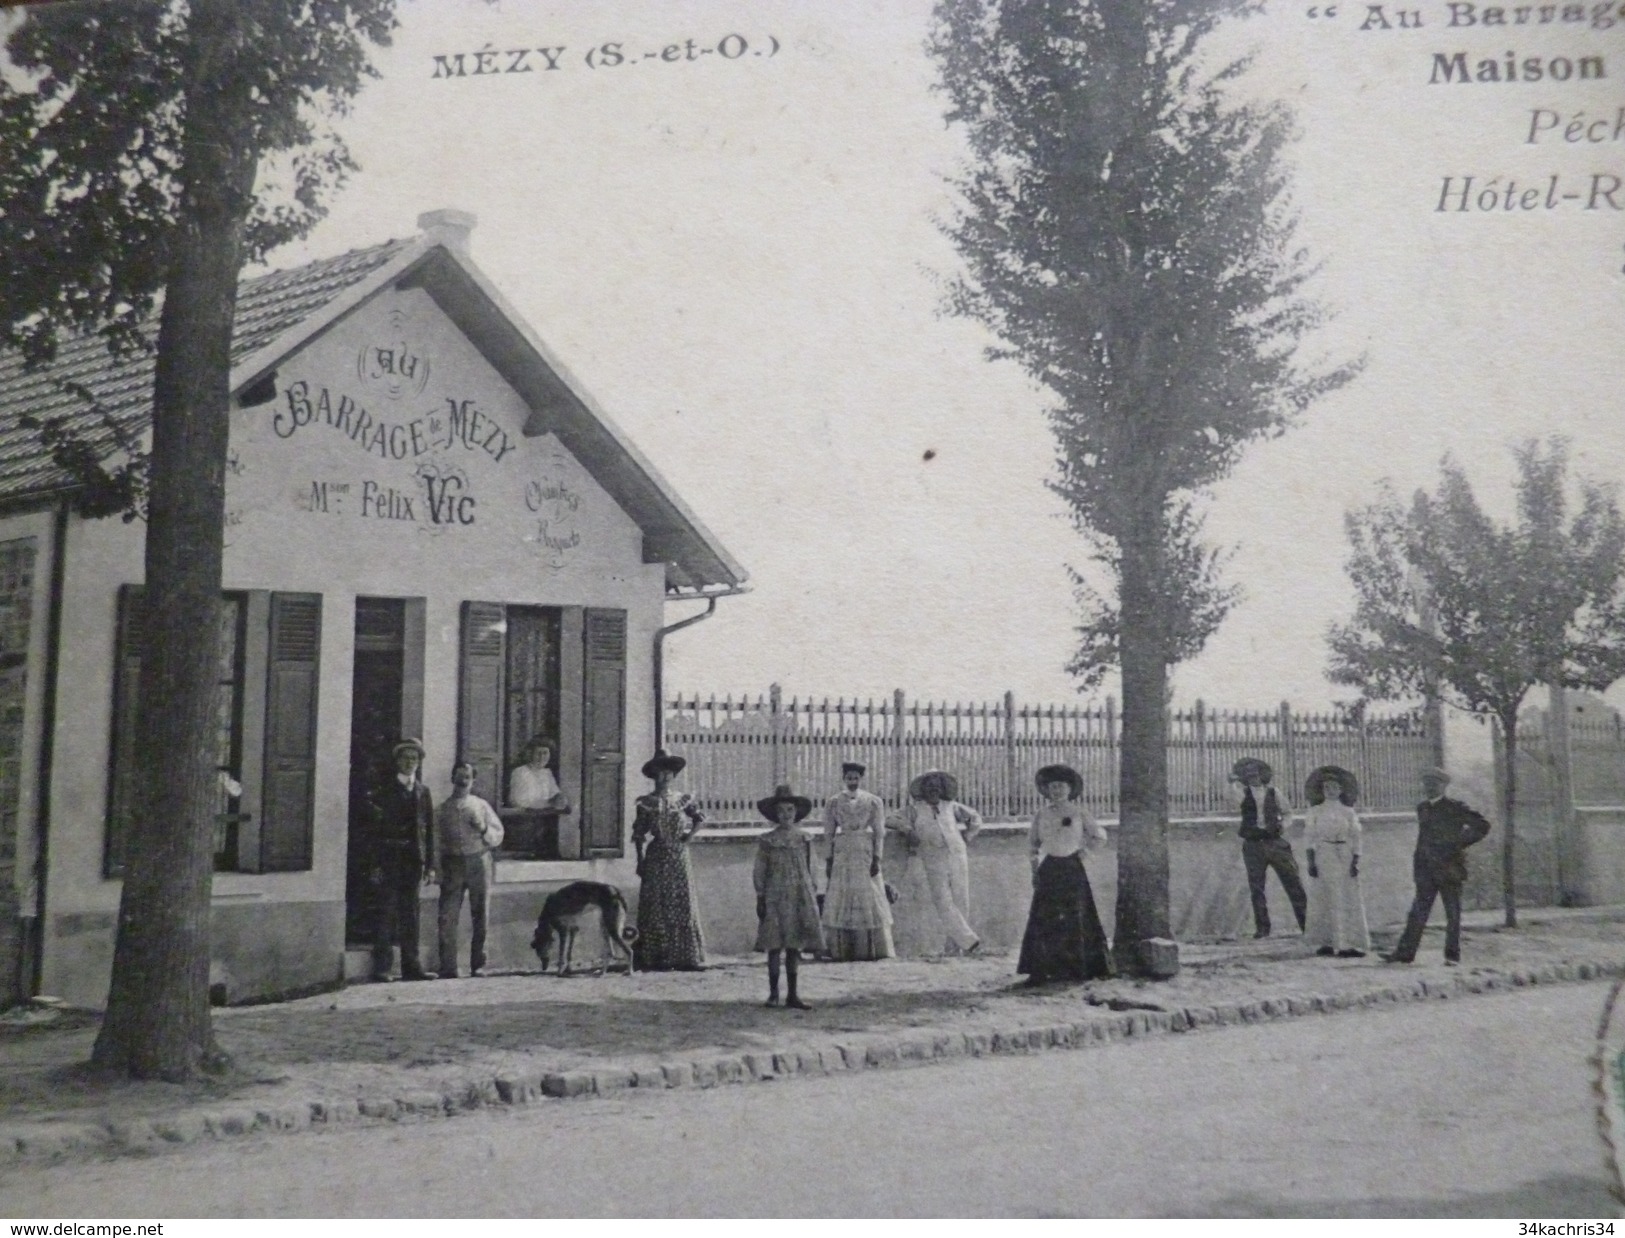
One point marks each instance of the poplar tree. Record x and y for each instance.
(1126, 232)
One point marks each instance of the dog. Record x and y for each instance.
(570, 908)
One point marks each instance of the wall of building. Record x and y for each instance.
(26, 558)
(1208, 886)
(391, 463)
(1601, 838)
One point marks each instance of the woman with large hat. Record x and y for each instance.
(1331, 839)
(931, 824)
(669, 933)
(1065, 939)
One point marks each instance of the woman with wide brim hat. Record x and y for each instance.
(931, 823)
(670, 937)
(1314, 786)
(947, 786)
(1336, 922)
(786, 900)
(1065, 939)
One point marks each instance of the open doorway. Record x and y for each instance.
(377, 721)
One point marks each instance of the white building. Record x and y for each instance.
(432, 531)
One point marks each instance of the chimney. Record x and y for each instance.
(449, 227)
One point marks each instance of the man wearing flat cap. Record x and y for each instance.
(403, 861)
(1445, 828)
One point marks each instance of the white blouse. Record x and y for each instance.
(1331, 823)
(1063, 829)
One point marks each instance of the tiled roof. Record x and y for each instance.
(267, 306)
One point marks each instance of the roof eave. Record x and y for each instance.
(674, 535)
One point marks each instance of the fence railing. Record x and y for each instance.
(738, 749)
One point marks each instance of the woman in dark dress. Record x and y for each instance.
(669, 934)
(1064, 938)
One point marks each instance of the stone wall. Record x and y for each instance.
(1208, 887)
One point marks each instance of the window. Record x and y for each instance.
(558, 672)
(228, 739)
(265, 730)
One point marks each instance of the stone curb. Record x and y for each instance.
(63, 1140)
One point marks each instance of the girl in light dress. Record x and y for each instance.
(786, 902)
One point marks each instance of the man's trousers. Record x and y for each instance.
(1261, 855)
(401, 886)
(1428, 886)
(460, 874)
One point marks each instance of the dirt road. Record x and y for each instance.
(1474, 1107)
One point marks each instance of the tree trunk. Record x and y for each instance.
(157, 1023)
(1509, 802)
(1142, 847)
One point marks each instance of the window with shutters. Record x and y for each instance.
(604, 732)
(287, 835)
(285, 664)
(228, 734)
(558, 672)
(510, 696)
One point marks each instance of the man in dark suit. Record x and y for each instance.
(1445, 829)
(1263, 845)
(403, 861)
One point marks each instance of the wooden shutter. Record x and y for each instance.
(604, 732)
(288, 828)
(122, 782)
(479, 703)
(414, 648)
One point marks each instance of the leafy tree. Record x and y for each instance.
(1126, 233)
(1452, 604)
(148, 150)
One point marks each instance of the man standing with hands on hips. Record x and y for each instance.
(1445, 828)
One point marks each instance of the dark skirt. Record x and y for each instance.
(1064, 938)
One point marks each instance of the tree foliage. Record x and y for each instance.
(1127, 232)
(93, 126)
(1452, 604)
(148, 149)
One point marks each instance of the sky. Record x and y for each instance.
(741, 259)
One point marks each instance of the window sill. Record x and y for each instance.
(513, 871)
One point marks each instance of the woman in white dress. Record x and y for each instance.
(1336, 923)
(857, 916)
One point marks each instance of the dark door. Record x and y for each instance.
(375, 725)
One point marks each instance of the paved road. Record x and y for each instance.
(1474, 1107)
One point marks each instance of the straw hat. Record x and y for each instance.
(409, 745)
(769, 807)
(1315, 785)
(950, 785)
(663, 760)
(854, 767)
(1059, 773)
(1246, 765)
